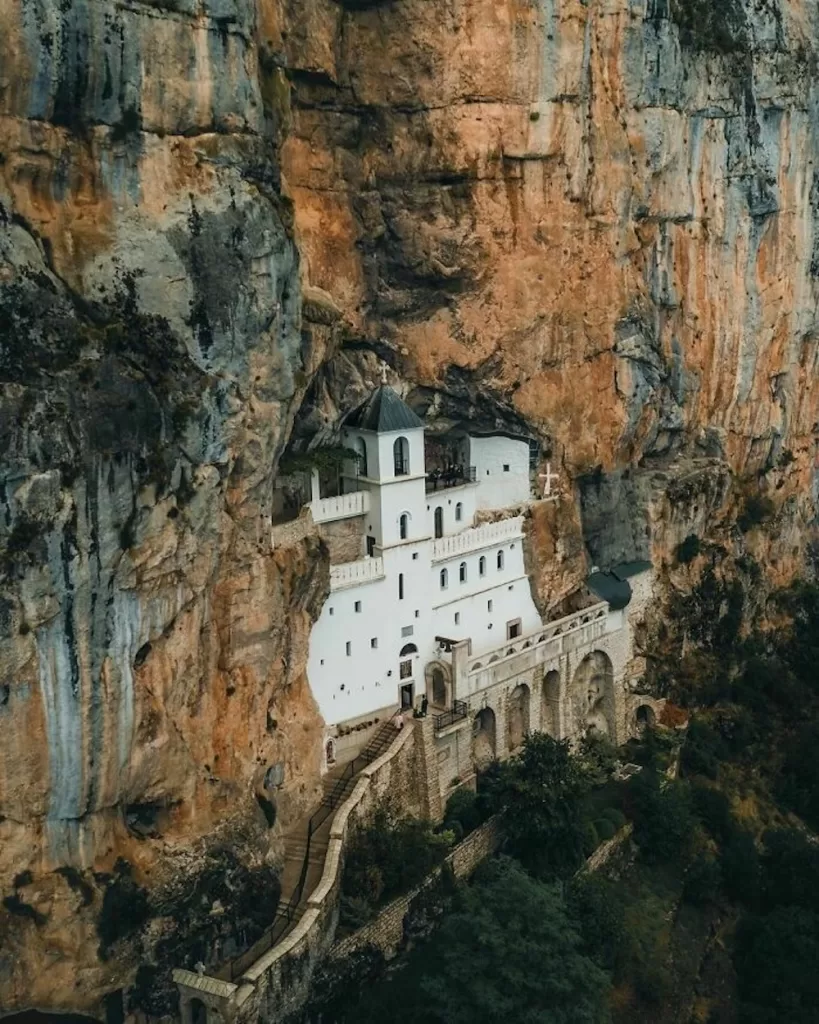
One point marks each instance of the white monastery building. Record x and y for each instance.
(439, 606)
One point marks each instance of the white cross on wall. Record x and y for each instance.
(548, 477)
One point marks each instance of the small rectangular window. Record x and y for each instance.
(358, 606)
(415, 556)
(417, 614)
(400, 586)
(374, 643)
(512, 629)
(506, 467)
(489, 606)
(407, 630)
(331, 611)
(405, 670)
(349, 648)
(457, 618)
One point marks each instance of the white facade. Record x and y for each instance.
(377, 631)
(501, 470)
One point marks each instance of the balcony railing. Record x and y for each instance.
(457, 713)
(479, 537)
(343, 506)
(350, 574)
(455, 476)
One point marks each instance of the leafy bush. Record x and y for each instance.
(713, 808)
(605, 829)
(703, 750)
(798, 786)
(615, 816)
(758, 510)
(464, 808)
(702, 880)
(386, 858)
(591, 840)
(739, 861)
(598, 905)
(662, 817)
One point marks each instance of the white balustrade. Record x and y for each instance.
(343, 506)
(476, 538)
(352, 573)
(593, 620)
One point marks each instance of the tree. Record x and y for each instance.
(508, 952)
(662, 817)
(538, 791)
(776, 958)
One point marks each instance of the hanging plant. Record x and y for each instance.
(328, 457)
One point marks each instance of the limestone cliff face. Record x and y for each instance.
(593, 222)
(599, 218)
(152, 355)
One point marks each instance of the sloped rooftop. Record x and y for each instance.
(383, 412)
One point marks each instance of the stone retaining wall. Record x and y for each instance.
(386, 931)
(278, 983)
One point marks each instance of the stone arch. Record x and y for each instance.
(198, 1012)
(551, 703)
(330, 751)
(517, 716)
(644, 717)
(439, 681)
(592, 696)
(483, 737)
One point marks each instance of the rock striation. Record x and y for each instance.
(595, 223)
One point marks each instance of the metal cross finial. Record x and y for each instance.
(548, 477)
(383, 373)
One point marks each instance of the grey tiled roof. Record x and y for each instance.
(383, 412)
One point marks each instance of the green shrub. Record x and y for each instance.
(463, 809)
(590, 839)
(713, 808)
(702, 881)
(739, 862)
(605, 829)
(662, 817)
(615, 816)
(758, 510)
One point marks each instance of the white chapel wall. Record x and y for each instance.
(498, 487)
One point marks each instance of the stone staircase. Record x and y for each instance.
(306, 848)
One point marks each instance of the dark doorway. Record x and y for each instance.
(407, 693)
(370, 546)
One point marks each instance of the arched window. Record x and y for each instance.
(400, 586)
(444, 576)
(500, 559)
(459, 512)
(403, 525)
(462, 572)
(407, 650)
(361, 448)
(400, 452)
(482, 566)
(439, 522)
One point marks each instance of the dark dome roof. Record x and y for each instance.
(383, 412)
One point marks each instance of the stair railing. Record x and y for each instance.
(286, 912)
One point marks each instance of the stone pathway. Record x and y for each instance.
(338, 784)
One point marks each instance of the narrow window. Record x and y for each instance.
(400, 451)
(349, 648)
(415, 556)
(439, 521)
(403, 526)
(457, 618)
(489, 606)
(482, 566)
(370, 546)
(512, 629)
(462, 572)
(400, 586)
(374, 643)
(358, 606)
(506, 467)
(500, 559)
(459, 512)
(444, 577)
(417, 614)
(361, 449)
(332, 612)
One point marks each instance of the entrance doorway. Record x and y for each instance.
(407, 696)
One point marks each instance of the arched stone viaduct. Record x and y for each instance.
(573, 676)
